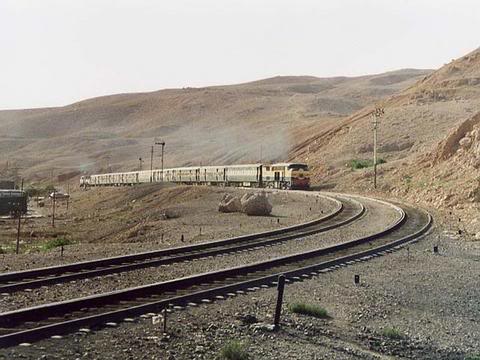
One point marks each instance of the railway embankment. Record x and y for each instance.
(106, 222)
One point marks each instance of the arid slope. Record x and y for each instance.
(428, 137)
(262, 120)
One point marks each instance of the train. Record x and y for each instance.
(278, 176)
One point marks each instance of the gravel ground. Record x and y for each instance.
(197, 207)
(378, 216)
(432, 301)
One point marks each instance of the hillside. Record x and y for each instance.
(261, 120)
(428, 137)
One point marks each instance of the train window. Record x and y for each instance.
(303, 167)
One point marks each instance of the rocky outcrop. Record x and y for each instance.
(229, 204)
(254, 204)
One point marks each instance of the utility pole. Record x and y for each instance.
(68, 197)
(53, 207)
(163, 146)
(19, 214)
(151, 165)
(377, 113)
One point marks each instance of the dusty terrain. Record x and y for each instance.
(105, 222)
(376, 219)
(428, 138)
(429, 299)
(261, 120)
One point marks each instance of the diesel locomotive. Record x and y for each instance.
(279, 176)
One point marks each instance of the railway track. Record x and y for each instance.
(345, 211)
(31, 324)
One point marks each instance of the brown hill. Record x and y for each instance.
(427, 136)
(261, 120)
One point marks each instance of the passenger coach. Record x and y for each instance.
(279, 176)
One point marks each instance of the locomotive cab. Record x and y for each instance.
(299, 175)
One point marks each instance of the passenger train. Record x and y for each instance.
(279, 176)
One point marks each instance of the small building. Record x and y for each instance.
(12, 201)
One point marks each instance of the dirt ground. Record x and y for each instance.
(411, 304)
(376, 219)
(105, 222)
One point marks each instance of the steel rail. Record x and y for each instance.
(96, 302)
(63, 273)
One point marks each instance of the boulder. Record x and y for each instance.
(465, 142)
(229, 204)
(256, 204)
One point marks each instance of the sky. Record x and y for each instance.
(56, 52)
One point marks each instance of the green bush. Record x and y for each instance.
(473, 357)
(234, 350)
(356, 164)
(393, 333)
(308, 309)
(51, 244)
(33, 191)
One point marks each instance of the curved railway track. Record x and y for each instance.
(345, 211)
(31, 324)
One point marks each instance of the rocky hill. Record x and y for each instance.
(429, 138)
(261, 120)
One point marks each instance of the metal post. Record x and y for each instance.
(163, 145)
(378, 112)
(53, 207)
(278, 309)
(19, 214)
(375, 123)
(165, 320)
(151, 165)
(68, 193)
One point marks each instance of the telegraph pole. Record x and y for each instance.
(19, 214)
(53, 206)
(151, 165)
(377, 113)
(163, 146)
(68, 193)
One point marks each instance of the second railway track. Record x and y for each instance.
(37, 322)
(345, 212)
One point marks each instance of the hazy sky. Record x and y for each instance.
(54, 52)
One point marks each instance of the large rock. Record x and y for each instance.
(229, 203)
(256, 204)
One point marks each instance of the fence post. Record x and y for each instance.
(278, 309)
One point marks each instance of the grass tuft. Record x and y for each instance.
(51, 244)
(308, 309)
(473, 357)
(393, 333)
(234, 350)
(356, 164)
